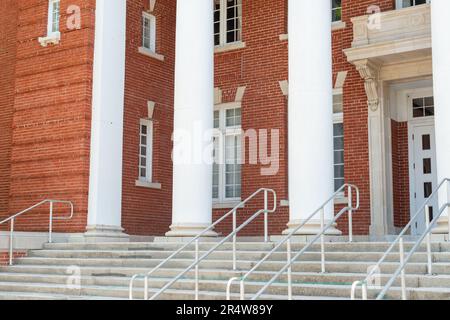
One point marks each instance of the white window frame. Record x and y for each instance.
(399, 4)
(50, 19)
(221, 134)
(149, 155)
(223, 25)
(152, 32)
(333, 9)
(338, 118)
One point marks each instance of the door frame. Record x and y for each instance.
(412, 124)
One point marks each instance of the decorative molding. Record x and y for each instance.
(217, 95)
(369, 71)
(284, 86)
(240, 94)
(340, 79)
(151, 5)
(150, 108)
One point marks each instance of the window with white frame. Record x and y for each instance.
(338, 145)
(53, 18)
(227, 155)
(148, 32)
(227, 21)
(410, 3)
(336, 10)
(145, 150)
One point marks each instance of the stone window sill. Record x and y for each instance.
(151, 54)
(227, 205)
(229, 47)
(148, 185)
(337, 25)
(50, 39)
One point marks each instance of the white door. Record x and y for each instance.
(424, 168)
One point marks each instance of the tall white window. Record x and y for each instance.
(227, 21)
(227, 155)
(336, 10)
(410, 3)
(338, 146)
(145, 150)
(148, 32)
(53, 18)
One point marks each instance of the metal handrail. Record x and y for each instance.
(12, 219)
(429, 226)
(198, 259)
(349, 208)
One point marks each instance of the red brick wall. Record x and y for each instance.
(355, 112)
(4, 256)
(8, 33)
(51, 120)
(149, 211)
(400, 173)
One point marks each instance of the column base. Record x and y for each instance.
(441, 226)
(189, 230)
(311, 228)
(103, 233)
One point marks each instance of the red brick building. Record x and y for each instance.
(89, 91)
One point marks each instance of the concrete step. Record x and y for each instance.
(243, 246)
(227, 255)
(183, 289)
(297, 277)
(304, 266)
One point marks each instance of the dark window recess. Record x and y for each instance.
(427, 189)
(426, 142)
(427, 166)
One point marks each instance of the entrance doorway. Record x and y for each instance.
(422, 151)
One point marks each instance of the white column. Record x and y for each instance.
(193, 119)
(310, 113)
(105, 181)
(440, 24)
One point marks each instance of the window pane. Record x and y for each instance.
(338, 131)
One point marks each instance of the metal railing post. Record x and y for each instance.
(234, 241)
(428, 239)
(146, 288)
(350, 215)
(242, 290)
(364, 291)
(196, 269)
(322, 239)
(266, 218)
(11, 241)
(448, 208)
(289, 271)
(402, 260)
(50, 227)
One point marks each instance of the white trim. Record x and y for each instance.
(229, 47)
(151, 29)
(149, 156)
(150, 54)
(52, 37)
(149, 185)
(223, 132)
(399, 4)
(223, 28)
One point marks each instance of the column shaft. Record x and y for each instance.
(310, 112)
(440, 24)
(105, 181)
(193, 119)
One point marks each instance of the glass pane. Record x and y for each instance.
(338, 143)
(427, 189)
(427, 166)
(426, 142)
(338, 129)
(143, 172)
(429, 101)
(429, 111)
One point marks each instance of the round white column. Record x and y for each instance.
(310, 113)
(193, 119)
(105, 179)
(440, 23)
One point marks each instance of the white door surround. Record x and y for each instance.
(422, 166)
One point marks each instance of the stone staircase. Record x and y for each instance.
(105, 270)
